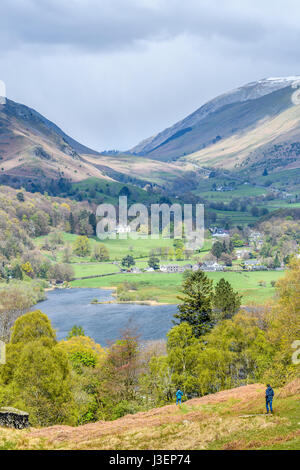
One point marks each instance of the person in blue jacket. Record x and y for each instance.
(269, 398)
(179, 394)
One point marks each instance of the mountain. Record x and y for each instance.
(33, 148)
(34, 151)
(236, 129)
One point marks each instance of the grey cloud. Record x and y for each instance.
(109, 24)
(112, 72)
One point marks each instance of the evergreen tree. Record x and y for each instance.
(277, 263)
(225, 300)
(93, 221)
(265, 172)
(72, 223)
(196, 306)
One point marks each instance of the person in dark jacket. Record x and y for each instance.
(179, 394)
(269, 398)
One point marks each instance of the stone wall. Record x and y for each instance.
(13, 418)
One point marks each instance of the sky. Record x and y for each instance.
(111, 73)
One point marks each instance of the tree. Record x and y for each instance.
(276, 263)
(82, 351)
(217, 249)
(76, 331)
(226, 300)
(128, 261)
(171, 254)
(20, 197)
(100, 252)
(124, 191)
(179, 254)
(61, 272)
(183, 350)
(32, 326)
(157, 383)
(93, 221)
(82, 246)
(15, 301)
(196, 306)
(284, 326)
(255, 211)
(153, 262)
(119, 376)
(227, 259)
(67, 254)
(37, 372)
(237, 351)
(265, 172)
(72, 223)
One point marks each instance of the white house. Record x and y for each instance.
(212, 266)
(121, 228)
(220, 233)
(169, 268)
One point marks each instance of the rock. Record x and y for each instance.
(13, 418)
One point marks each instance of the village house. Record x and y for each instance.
(175, 268)
(169, 268)
(209, 266)
(219, 232)
(135, 270)
(254, 265)
(121, 228)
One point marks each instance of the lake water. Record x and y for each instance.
(68, 307)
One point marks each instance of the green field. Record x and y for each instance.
(94, 269)
(139, 249)
(165, 287)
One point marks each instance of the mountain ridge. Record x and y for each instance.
(188, 135)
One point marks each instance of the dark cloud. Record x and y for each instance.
(109, 24)
(112, 72)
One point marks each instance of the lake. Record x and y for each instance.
(103, 322)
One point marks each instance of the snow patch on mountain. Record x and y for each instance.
(250, 91)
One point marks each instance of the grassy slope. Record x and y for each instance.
(232, 419)
(236, 148)
(165, 287)
(119, 248)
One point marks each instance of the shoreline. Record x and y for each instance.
(150, 303)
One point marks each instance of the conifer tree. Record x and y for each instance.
(196, 306)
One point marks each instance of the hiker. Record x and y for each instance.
(269, 398)
(179, 394)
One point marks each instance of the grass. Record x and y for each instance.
(165, 287)
(119, 248)
(229, 420)
(94, 269)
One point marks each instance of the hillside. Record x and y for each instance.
(241, 133)
(257, 121)
(228, 420)
(33, 150)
